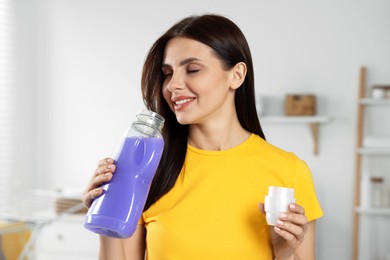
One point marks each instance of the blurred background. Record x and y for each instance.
(70, 85)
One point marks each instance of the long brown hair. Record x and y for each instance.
(229, 43)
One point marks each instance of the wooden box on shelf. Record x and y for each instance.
(300, 105)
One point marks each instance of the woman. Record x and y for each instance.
(216, 166)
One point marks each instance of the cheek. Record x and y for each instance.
(167, 96)
(216, 86)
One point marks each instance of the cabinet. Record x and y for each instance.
(370, 224)
(67, 239)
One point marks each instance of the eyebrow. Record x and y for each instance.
(183, 62)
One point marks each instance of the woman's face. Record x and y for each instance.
(196, 86)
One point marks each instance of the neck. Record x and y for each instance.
(217, 136)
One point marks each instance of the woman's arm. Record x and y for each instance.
(132, 248)
(307, 249)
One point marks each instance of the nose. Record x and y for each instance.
(175, 83)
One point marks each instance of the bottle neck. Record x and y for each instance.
(146, 129)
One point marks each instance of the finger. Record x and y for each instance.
(105, 161)
(88, 197)
(98, 179)
(297, 219)
(94, 189)
(294, 223)
(295, 230)
(289, 237)
(261, 207)
(105, 169)
(296, 208)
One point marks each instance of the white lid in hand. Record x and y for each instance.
(276, 202)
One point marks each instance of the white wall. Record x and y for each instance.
(84, 71)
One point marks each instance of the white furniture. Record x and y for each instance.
(370, 224)
(67, 239)
(57, 232)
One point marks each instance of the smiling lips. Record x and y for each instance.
(182, 102)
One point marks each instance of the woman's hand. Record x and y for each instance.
(103, 173)
(289, 231)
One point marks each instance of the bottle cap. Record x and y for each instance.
(276, 202)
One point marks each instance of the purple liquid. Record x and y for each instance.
(117, 211)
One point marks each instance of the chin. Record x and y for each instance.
(183, 120)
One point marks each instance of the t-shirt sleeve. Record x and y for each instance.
(141, 220)
(305, 193)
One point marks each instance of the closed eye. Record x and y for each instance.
(167, 72)
(192, 71)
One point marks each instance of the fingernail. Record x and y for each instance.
(277, 229)
(109, 160)
(283, 215)
(280, 223)
(292, 206)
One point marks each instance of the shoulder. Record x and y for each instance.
(270, 151)
(275, 160)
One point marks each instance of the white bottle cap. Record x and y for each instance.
(276, 202)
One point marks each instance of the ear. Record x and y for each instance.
(238, 73)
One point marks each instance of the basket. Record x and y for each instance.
(300, 105)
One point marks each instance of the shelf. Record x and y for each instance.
(312, 121)
(377, 147)
(373, 211)
(375, 101)
(374, 150)
(294, 119)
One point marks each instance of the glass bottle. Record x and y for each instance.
(377, 192)
(365, 191)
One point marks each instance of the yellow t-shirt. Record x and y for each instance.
(212, 213)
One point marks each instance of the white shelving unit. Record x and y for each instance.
(374, 151)
(373, 211)
(295, 119)
(67, 239)
(312, 121)
(364, 152)
(375, 102)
